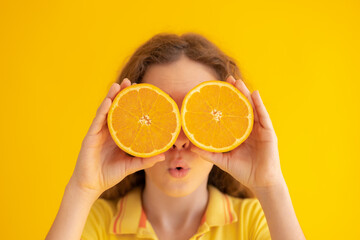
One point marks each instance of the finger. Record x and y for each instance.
(101, 113)
(114, 89)
(264, 117)
(125, 83)
(239, 84)
(100, 118)
(244, 90)
(213, 157)
(137, 163)
(231, 80)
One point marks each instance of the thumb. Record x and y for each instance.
(149, 162)
(138, 163)
(213, 157)
(220, 159)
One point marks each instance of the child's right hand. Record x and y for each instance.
(101, 164)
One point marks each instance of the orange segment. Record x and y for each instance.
(216, 116)
(143, 120)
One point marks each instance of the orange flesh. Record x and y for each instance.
(144, 121)
(216, 118)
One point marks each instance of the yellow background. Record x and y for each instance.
(59, 58)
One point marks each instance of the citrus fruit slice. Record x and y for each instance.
(216, 116)
(143, 120)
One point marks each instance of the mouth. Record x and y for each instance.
(178, 172)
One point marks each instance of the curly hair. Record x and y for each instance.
(167, 48)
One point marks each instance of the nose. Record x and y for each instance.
(182, 142)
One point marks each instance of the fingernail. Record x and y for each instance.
(241, 82)
(231, 76)
(237, 82)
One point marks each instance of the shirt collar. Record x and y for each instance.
(220, 210)
(130, 217)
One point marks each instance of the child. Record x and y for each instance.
(112, 195)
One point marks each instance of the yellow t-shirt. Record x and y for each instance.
(226, 217)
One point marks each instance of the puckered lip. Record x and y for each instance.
(179, 164)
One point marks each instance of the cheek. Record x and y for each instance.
(203, 168)
(156, 172)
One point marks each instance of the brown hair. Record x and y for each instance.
(167, 48)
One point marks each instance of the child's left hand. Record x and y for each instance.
(254, 163)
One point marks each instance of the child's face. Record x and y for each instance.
(176, 79)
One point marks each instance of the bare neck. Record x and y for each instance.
(170, 212)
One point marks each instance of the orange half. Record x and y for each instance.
(143, 120)
(216, 116)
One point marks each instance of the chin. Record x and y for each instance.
(177, 191)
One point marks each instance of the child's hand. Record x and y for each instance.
(254, 163)
(101, 163)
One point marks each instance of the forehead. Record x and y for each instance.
(178, 78)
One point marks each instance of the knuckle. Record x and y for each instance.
(98, 111)
(90, 141)
(84, 142)
(275, 137)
